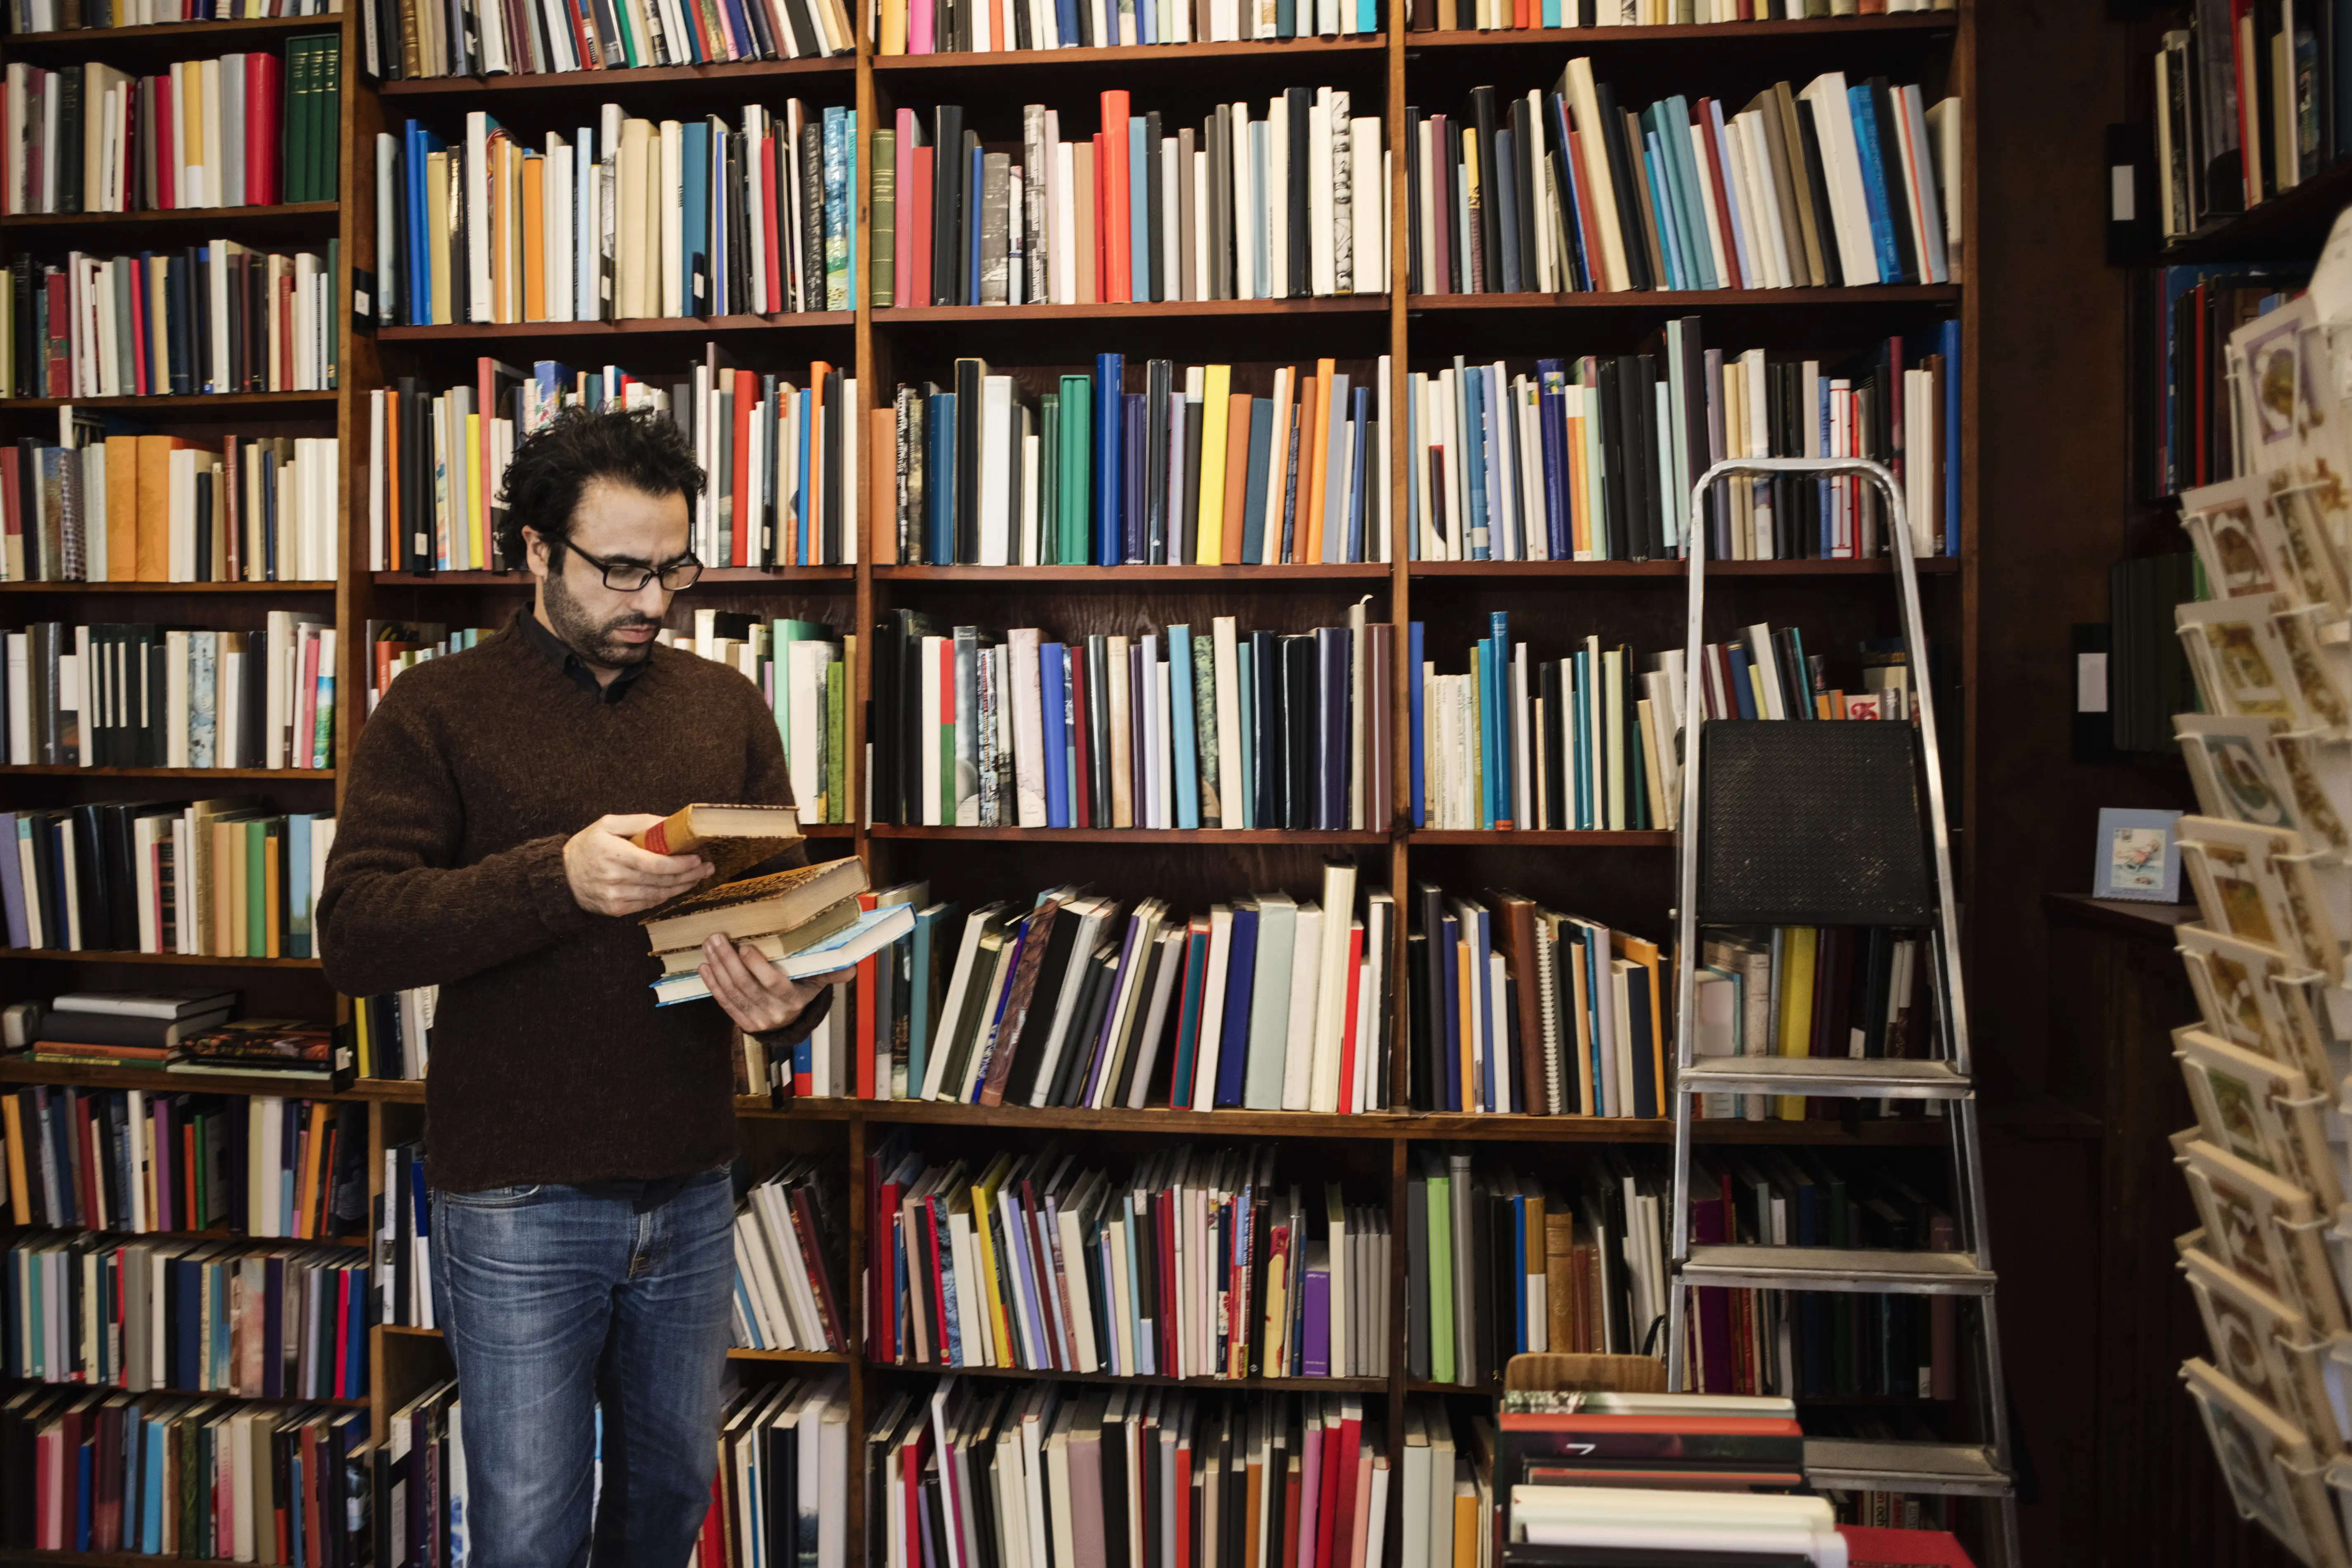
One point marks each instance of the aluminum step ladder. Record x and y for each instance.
(1797, 878)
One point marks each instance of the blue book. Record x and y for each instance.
(919, 1023)
(1110, 377)
(1138, 209)
(1690, 189)
(1246, 812)
(1506, 267)
(1501, 767)
(1743, 690)
(977, 177)
(694, 226)
(840, 178)
(1653, 160)
(1261, 453)
(151, 1523)
(1450, 940)
(1413, 688)
(1551, 13)
(1949, 341)
(1864, 113)
(1051, 699)
(1360, 429)
(421, 144)
(1367, 16)
(802, 467)
(1581, 758)
(1187, 763)
(1821, 498)
(939, 492)
(188, 1322)
(1551, 390)
(297, 885)
(1065, 22)
(1241, 965)
(1285, 19)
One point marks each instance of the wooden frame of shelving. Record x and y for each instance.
(1634, 601)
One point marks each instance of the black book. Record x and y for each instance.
(1817, 185)
(900, 716)
(835, 415)
(1301, 256)
(90, 880)
(1488, 208)
(179, 340)
(1152, 136)
(1096, 719)
(1189, 512)
(1621, 179)
(1216, 130)
(1158, 383)
(812, 214)
(1414, 284)
(1615, 500)
(1265, 681)
(1527, 150)
(200, 322)
(1636, 381)
(946, 205)
(1029, 1048)
(1299, 733)
(25, 373)
(1637, 796)
(1428, 1087)
(1555, 797)
(970, 376)
(68, 86)
(1086, 1023)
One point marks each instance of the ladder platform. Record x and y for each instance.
(1857, 1078)
(1869, 1270)
(1968, 1469)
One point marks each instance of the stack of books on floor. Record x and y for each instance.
(1193, 727)
(2264, 861)
(102, 1472)
(783, 1477)
(139, 1161)
(244, 129)
(1290, 205)
(806, 921)
(922, 27)
(188, 1317)
(1592, 457)
(1201, 1263)
(781, 461)
(213, 318)
(1189, 468)
(420, 39)
(786, 1291)
(159, 697)
(223, 878)
(1545, 192)
(170, 509)
(979, 1470)
(704, 219)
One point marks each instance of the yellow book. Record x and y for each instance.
(1466, 1525)
(437, 225)
(1278, 1309)
(20, 1209)
(231, 868)
(465, 463)
(983, 1214)
(1794, 1028)
(1311, 466)
(1469, 992)
(1215, 408)
(894, 26)
(1580, 537)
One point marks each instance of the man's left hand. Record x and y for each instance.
(757, 995)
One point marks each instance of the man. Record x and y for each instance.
(578, 1139)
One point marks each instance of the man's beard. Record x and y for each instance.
(591, 639)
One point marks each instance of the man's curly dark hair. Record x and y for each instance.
(639, 447)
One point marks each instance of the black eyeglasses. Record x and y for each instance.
(630, 576)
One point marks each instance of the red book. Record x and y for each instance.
(747, 393)
(285, 356)
(1715, 187)
(1164, 1237)
(261, 128)
(1350, 1445)
(1868, 1548)
(1078, 803)
(1348, 1029)
(84, 1173)
(12, 519)
(1326, 1496)
(1292, 1486)
(773, 301)
(1114, 221)
(930, 1211)
(866, 1044)
(917, 218)
(139, 360)
(1098, 260)
(60, 351)
(343, 1386)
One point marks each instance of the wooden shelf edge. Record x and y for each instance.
(1196, 310)
(1126, 54)
(617, 78)
(728, 576)
(168, 30)
(114, 955)
(59, 770)
(1695, 298)
(1675, 570)
(1141, 835)
(195, 402)
(168, 215)
(1896, 24)
(633, 327)
(1235, 1384)
(323, 586)
(1142, 577)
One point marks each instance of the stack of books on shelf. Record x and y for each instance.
(1593, 458)
(2249, 105)
(786, 1294)
(54, 15)
(119, 1028)
(979, 1470)
(1185, 729)
(781, 459)
(1190, 469)
(168, 509)
(134, 694)
(2266, 860)
(924, 28)
(411, 38)
(1200, 1263)
(227, 878)
(1504, 16)
(219, 317)
(1290, 205)
(136, 1162)
(293, 1481)
(783, 1476)
(244, 129)
(1827, 185)
(623, 220)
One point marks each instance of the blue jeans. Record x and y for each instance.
(553, 1303)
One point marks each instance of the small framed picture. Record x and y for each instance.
(2138, 856)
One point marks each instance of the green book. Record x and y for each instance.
(837, 741)
(1075, 508)
(296, 115)
(327, 125)
(257, 888)
(1439, 1190)
(1049, 468)
(883, 219)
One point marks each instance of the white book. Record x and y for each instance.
(1028, 728)
(1331, 1007)
(1368, 199)
(1270, 994)
(1212, 1007)
(1321, 269)
(1841, 168)
(479, 126)
(1306, 1003)
(995, 470)
(1922, 173)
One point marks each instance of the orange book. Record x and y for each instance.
(314, 1146)
(534, 239)
(20, 1209)
(1117, 264)
(122, 501)
(1314, 460)
(1237, 436)
(152, 523)
(997, 33)
(882, 484)
(1088, 186)
(746, 392)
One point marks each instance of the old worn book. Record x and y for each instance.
(867, 934)
(773, 945)
(733, 838)
(756, 907)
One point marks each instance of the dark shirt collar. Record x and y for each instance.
(575, 670)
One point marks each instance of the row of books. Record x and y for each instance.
(244, 129)
(392, 1032)
(808, 676)
(622, 219)
(979, 1471)
(1826, 186)
(194, 1477)
(1808, 991)
(54, 16)
(151, 696)
(1193, 727)
(1292, 203)
(395, 645)
(170, 509)
(223, 878)
(782, 1492)
(1192, 468)
(213, 318)
(1593, 458)
(1515, 1007)
(786, 1294)
(780, 460)
(2190, 410)
(1197, 1264)
(188, 1317)
(925, 28)
(1506, 15)
(2250, 103)
(408, 38)
(137, 1163)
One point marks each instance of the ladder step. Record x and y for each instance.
(1968, 1469)
(1863, 1077)
(1875, 1271)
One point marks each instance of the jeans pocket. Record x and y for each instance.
(494, 1197)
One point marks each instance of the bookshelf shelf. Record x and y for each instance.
(1282, 50)
(262, 1399)
(291, 220)
(522, 582)
(319, 587)
(1149, 309)
(227, 404)
(636, 327)
(112, 955)
(16, 1069)
(1530, 839)
(540, 87)
(1235, 1384)
(2291, 223)
(1139, 837)
(54, 769)
(1737, 34)
(1684, 301)
(170, 35)
(1143, 578)
(1669, 571)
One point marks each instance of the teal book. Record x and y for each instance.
(924, 994)
(1261, 453)
(1180, 703)
(1074, 510)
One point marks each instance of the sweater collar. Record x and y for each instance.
(574, 668)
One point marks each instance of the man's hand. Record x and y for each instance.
(757, 995)
(611, 876)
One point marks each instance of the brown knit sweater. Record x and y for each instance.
(550, 1062)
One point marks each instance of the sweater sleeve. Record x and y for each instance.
(395, 911)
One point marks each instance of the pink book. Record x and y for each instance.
(1360, 1528)
(919, 27)
(1310, 1470)
(306, 712)
(902, 240)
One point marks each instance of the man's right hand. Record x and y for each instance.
(611, 876)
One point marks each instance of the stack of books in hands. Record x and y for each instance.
(806, 921)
